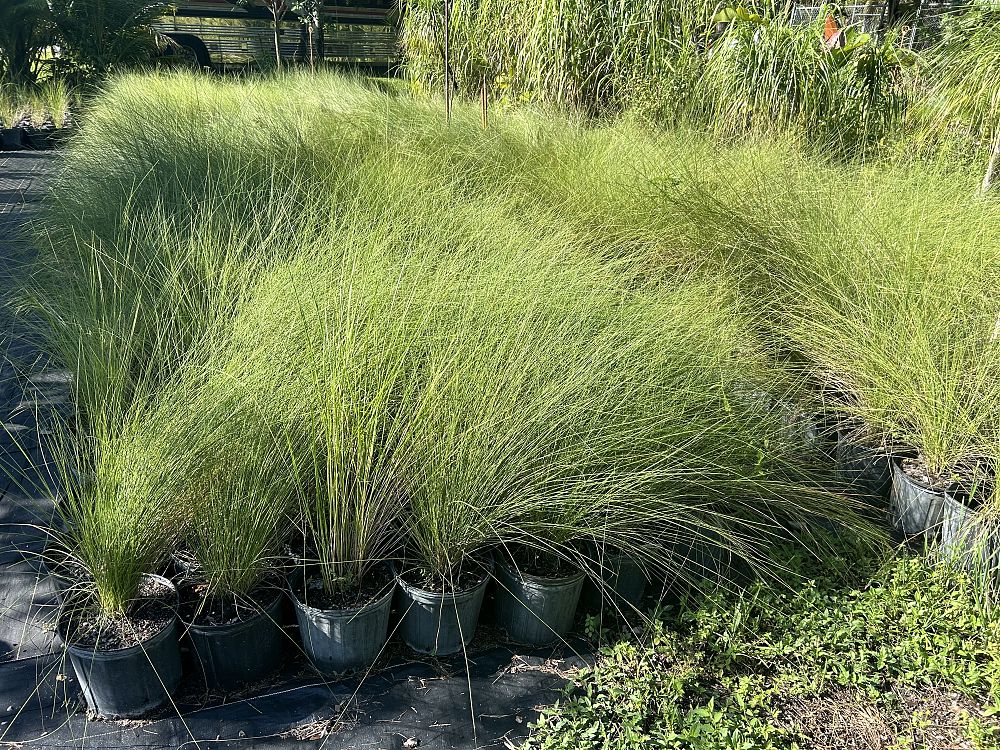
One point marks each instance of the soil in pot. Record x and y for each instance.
(345, 631)
(537, 595)
(439, 616)
(126, 666)
(620, 587)
(917, 499)
(234, 642)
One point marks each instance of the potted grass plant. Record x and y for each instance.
(350, 501)
(40, 128)
(119, 621)
(13, 116)
(448, 526)
(231, 594)
(945, 412)
(50, 114)
(863, 465)
(537, 595)
(618, 582)
(481, 423)
(910, 341)
(970, 533)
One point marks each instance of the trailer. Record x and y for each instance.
(221, 34)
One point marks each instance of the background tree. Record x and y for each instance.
(308, 12)
(278, 9)
(24, 33)
(100, 35)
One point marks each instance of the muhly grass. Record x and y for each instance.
(878, 281)
(235, 487)
(119, 520)
(48, 103)
(449, 338)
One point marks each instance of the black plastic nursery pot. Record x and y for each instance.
(914, 508)
(128, 682)
(42, 139)
(438, 623)
(339, 641)
(12, 139)
(969, 537)
(623, 583)
(242, 652)
(864, 470)
(535, 610)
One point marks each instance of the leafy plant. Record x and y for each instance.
(763, 75)
(99, 36)
(730, 670)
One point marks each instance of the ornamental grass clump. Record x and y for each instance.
(456, 339)
(345, 338)
(118, 519)
(879, 283)
(235, 492)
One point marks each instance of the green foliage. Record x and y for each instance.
(51, 101)
(962, 105)
(878, 280)
(583, 54)
(498, 363)
(727, 672)
(764, 75)
(24, 32)
(100, 36)
(667, 61)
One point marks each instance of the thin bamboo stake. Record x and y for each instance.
(484, 100)
(991, 168)
(447, 60)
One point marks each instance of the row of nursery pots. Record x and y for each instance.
(941, 515)
(28, 137)
(946, 516)
(532, 610)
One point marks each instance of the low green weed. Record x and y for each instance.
(726, 671)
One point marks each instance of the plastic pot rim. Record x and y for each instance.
(238, 626)
(348, 612)
(541, 581)
(433, 597)
(90, 652)
(897, 467)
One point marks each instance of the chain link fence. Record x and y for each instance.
(921, 19)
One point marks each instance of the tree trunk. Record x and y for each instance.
(19, 65)
(277, 43)
(447, 60)
(312, 49)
